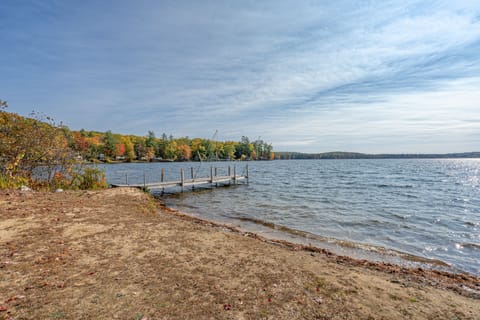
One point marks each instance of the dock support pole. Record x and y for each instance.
(216, 184)
(182, 178)
(126, 178)
(162, 177)
(229, 175)
(246, 170)
(144, 181)
(211, 176)
(234, 174)
(193, 180)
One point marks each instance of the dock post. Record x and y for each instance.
(246, 169)
(234, 174)
(229, 176)
(211, 176)
(193, 180)
(216, 184)
(126, 178)
(162, 177)
(182, 176)
(144, 181)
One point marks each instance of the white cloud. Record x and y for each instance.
(405, 122)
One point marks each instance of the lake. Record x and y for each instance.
(414, 208)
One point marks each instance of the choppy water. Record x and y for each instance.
(427, 208)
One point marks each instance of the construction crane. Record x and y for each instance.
(208, 157)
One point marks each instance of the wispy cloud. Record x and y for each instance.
(381, 77)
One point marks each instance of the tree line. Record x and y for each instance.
(108, 146)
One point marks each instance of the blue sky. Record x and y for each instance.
(311, 76)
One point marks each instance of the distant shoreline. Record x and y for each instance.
(355, 155)
(319, 156)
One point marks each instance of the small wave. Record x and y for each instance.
(401, 216)
(410, 196)
(467, 245)
(274, 226)
(382, 252)
(472, 224)
(405, 186)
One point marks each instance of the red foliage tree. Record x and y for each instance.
(119, 149)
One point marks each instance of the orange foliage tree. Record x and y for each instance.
(184, 153)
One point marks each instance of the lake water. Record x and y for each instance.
(426, 208)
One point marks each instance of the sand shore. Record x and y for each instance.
(117, 254)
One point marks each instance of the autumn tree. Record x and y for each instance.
(27, 143)
(36, 151)
(140, 148)
(271, 156)
(171, 151)
(244, 148)
(198, 149)
(95, 146)
(262, 150)
(151, 141)
(253, 155)
(109, 144)
(80, 144)
(228, 151)
(129, 150)
(149, 153)
(184, 153)
(119, 150)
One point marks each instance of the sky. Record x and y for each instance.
(306, 76)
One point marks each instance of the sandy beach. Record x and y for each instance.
(118, 254)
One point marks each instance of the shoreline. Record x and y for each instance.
(438, 277)
(354, 250)
(117, 253)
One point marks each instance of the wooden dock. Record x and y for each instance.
(213, 181)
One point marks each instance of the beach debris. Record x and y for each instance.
(3, 308)
(227, 307)
(25, 188)
(318, 300)
(14, 298)
(58, 190)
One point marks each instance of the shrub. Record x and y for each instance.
(35, 152)
(11, 182)
(90, 178)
